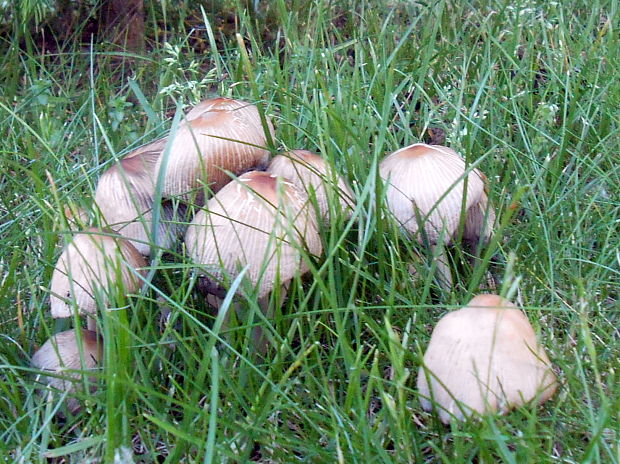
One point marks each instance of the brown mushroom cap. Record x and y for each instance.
(124, 197)
(62, 353)
(88, 266)
(259, 220)
(156, 146)
(484, 358)
(430, 178)
(218, 135)
(311, 173)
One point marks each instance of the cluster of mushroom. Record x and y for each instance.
(483, 358)
(263, 218)
(264, 221)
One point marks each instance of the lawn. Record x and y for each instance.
(526, 90)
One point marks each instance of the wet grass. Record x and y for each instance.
(528, 90)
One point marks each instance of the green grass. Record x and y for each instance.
(529, 90)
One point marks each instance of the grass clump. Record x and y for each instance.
(527, 90)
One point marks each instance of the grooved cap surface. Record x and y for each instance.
(311, 173)
(124, 197)
(217, 135)
(259, 220)
(430, 180)
(89, 265)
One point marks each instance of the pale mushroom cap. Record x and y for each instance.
(88, 266)
(487, 357)
(217, 135)
(423, 176)
(217, 103)
(124, 197)
(259, 220)
(311, 173)
(62, 354)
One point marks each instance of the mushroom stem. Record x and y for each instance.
(443, 272)
(91, 324)
(259, 340)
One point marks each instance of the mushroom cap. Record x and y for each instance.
(124, 197)
(429, 178)
(484, 358)
(311, 173)
(157, 146)
(89, 265)
(62, 353)
(218, 135)
(260, 220)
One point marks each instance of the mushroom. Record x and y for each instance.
(484, 358)
(89, 267)
(62, 355)
(125, 195)
(425, 186)
(156, 146)
(311, 173)
(258, 220)
(217, 136)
